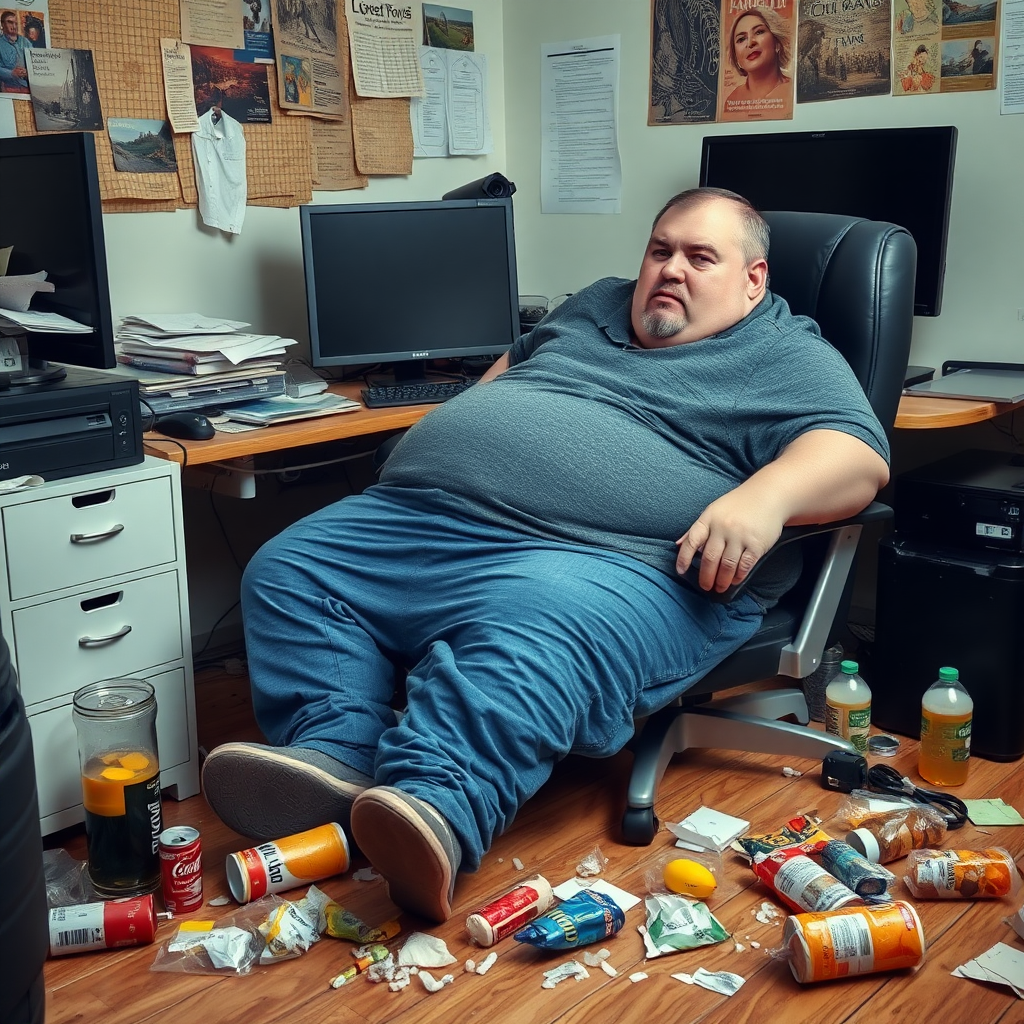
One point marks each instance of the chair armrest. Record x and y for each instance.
(874, 513)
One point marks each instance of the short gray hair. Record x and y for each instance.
(755, 229)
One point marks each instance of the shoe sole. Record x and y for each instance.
(402, 847)
(263, 795)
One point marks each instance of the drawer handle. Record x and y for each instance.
(98, 641)
(88, 538)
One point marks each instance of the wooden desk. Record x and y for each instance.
(338, 426)
(922, 413)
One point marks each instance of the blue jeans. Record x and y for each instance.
(515, 650)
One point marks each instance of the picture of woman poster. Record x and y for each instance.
(757, 71)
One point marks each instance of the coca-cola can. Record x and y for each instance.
(181, 865)
(86, 926)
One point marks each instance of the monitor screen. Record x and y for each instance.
(53, 221)
(902, 175)
(401, 283)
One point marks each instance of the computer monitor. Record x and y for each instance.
(902, 175)
(403, 283)
(53, 221)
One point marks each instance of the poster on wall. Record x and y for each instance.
(65, 96)
(757, 61)
(450, 28)
(685, 55)
(844, 49)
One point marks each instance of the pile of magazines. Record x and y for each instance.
(187, 361)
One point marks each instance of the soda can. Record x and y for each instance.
(510, 911)
(181, 866)
(107, 925)
(853, 940)
(286, 863)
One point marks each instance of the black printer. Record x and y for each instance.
(86, 423)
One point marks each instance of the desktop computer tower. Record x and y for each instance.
(940, 606)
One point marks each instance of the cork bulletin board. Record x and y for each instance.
(124, 36)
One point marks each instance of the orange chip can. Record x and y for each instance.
(287, 863)
(854, 940)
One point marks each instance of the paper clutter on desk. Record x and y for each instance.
(706, 829)
(1000, 965)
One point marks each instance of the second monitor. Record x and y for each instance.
(403, 283)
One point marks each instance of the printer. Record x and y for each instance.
(86, 423)
(972, 500)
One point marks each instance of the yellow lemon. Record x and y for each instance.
(689, 878)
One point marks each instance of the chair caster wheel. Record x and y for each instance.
(639, 826)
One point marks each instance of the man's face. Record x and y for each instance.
(694, 281)
(10, 25)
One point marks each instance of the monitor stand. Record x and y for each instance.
(410, 371)
(32, 370)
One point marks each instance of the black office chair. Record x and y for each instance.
(856, 279)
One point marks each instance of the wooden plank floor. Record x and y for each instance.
(577, 811)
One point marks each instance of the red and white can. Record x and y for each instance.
(510, 911)
(181, 864)
(107, 925)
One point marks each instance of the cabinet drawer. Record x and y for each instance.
(55, 743)
(72, 539)
(61, 645)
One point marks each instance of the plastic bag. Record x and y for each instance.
(264, 931)
(685, 872)
(67, 881)
(962, 874)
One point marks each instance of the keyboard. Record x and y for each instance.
(428, 393)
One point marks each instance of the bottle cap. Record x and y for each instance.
(862, 840)
(849, 668)
(948, 674)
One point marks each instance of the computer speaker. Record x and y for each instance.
(493, 186)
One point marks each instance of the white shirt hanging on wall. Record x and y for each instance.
(218, 151)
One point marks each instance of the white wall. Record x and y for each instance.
(562, 252)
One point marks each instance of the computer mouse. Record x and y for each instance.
(190, 426)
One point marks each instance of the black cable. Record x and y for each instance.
(886, 780)
(152, 426)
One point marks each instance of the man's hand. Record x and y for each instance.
(732, 533)
(821, 476)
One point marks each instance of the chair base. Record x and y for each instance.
(746, 722)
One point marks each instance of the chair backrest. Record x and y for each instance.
(855, 278)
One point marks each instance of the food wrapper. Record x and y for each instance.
(962, 874)
(675, 923)
(802, 831)
(800, 882)
(588, 917)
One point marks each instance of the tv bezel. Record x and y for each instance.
(408, 356)
(96, 349)
(929, 306)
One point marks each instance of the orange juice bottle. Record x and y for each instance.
(946, 714)
(848, 706)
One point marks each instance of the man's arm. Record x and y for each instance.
(498, 367)
(821, 476)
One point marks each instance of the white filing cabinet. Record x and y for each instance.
(95, 588)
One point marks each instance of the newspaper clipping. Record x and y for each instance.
(311, 68)
(385, 51)
(844, 49)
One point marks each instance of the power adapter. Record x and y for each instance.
(844, 771)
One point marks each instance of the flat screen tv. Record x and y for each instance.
(902, 175)
(404, 283)
(53, 221)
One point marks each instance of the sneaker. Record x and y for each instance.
(269, 792)
(412, 846)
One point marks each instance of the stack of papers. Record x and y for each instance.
(284, 409)
(46, 323)
(190, 361)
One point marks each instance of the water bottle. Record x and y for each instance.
(848, 706)
(946, 714)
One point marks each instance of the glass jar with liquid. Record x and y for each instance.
(116, 724)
